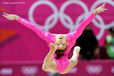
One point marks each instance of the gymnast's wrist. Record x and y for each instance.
(95, 12)
(16, 17)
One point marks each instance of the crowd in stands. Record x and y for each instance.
(89, 45)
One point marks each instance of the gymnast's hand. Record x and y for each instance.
(10, 16)
(100, 9)
(53, 47)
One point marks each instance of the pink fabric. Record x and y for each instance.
(44, 35)
(63, 62)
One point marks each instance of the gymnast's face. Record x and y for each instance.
(61, 41)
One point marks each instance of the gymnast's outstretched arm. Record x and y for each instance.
(82, 26)
(27, 24)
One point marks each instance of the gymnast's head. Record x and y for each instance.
(61, 42)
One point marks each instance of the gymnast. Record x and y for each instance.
(59, 44)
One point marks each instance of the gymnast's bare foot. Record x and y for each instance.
(76, 51)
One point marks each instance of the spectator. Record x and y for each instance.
(110, 43)
(88, 43)
(54, 74)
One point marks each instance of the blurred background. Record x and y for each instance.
(22, 51)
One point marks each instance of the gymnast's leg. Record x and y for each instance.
(48, 59)
(73, 60)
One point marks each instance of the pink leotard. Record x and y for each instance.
(63, 62)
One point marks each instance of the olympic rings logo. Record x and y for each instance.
(60, 14)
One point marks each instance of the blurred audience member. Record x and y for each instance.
(88, 43)
(54, 74)
(110, 43)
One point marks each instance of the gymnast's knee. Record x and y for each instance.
(44, 68)
(74, 62)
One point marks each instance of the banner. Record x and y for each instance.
(55, 16)
(83, 68)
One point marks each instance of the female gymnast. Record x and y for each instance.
(59, 44)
